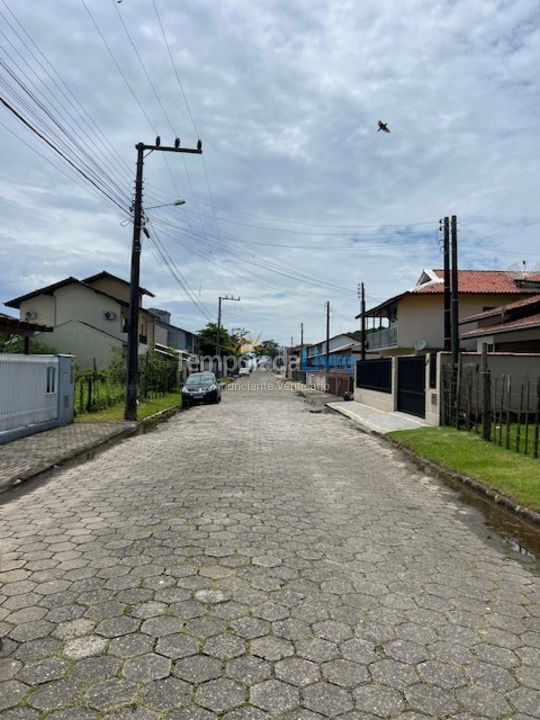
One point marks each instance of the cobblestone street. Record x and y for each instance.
(251, 560)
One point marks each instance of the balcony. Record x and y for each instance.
(386, 337)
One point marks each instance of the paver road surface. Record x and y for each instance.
(254, 560)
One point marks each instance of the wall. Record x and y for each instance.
(76, 302)
(36, 393)
(421, 317)
(373, 398)
(86, 343)
(114, 287)
(43, 306)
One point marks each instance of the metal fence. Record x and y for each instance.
(28, 390)
(374, 375)
(502, 411)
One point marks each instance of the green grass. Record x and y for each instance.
(516, 476)
(115, 413)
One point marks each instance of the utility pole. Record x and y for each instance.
(447, 291)
(130, 412)
(219, 349)
(454, 316)
(327, 335)
(362, 296)
(301, 346)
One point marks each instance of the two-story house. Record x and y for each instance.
(413, 320)
(89, 317)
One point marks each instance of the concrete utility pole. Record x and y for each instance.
(219, 349)
(362, 296)
(327, 335)
(130, 412)
(447, 291)
(301, 345)
(454, 315)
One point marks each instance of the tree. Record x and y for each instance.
(268, 347)
(15, 344)
(208, 340)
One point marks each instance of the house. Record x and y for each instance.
(413, 320)
(408, 334)
(514, 327)
(89, 317)
(168, 335)
(332, 370)
(13, 327)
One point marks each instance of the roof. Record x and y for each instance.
(105, 274)
(502, 309)
(14, 324)
(51, 289)
(161, 321)
(470, 282)
(525, 323)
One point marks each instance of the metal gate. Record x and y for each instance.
(411, 396)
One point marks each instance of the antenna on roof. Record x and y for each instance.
(518, 270)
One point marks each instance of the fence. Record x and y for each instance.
(374, 375)
(96, 390)
(28, 390)
(502, 410)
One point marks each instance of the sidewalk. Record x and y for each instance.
(34, 454)
(377, 421)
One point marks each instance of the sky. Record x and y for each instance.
(297, 198)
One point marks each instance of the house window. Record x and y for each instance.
(51, 380)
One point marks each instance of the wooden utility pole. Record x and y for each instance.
(447, 291)
(130, 412)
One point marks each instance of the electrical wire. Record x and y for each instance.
(59, 152)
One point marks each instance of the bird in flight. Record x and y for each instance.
(383, 127)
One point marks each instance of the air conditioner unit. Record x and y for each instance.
(30, 315)
(110, 315)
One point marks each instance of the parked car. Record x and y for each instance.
(245, 370)
(201, 387)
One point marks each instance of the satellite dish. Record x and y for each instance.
(420, 344)
(517, 271)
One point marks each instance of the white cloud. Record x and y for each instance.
(286, 97)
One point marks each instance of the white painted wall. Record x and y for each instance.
(28, 390)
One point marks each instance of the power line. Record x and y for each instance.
(59, 152)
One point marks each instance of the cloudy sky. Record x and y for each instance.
(297, 198)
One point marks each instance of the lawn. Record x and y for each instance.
(115, 413)
(516, 476)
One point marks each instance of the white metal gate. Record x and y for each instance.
(28, 390)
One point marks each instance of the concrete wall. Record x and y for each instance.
(373, 398)
(44, 308)
(36, 394)
(114, 287)
(420, 317)
(86, 343)
(75, 302)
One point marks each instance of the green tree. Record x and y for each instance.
(208, 340)
(15, 344)
(269, 348)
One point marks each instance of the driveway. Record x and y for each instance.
(253, 560)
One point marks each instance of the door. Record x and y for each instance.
(412, 385)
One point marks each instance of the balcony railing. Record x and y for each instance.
(387, 337)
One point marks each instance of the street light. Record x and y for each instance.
(175, 203)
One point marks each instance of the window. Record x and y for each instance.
(51, 380)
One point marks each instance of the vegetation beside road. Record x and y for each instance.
(115, 413)
(516, 476)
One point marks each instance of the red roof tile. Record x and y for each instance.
(478, 281)
(521, 324)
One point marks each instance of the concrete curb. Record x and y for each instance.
(494, 496)
(440, 471)
(86, 452)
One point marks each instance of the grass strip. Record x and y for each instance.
(115, 413)
(516, 476)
